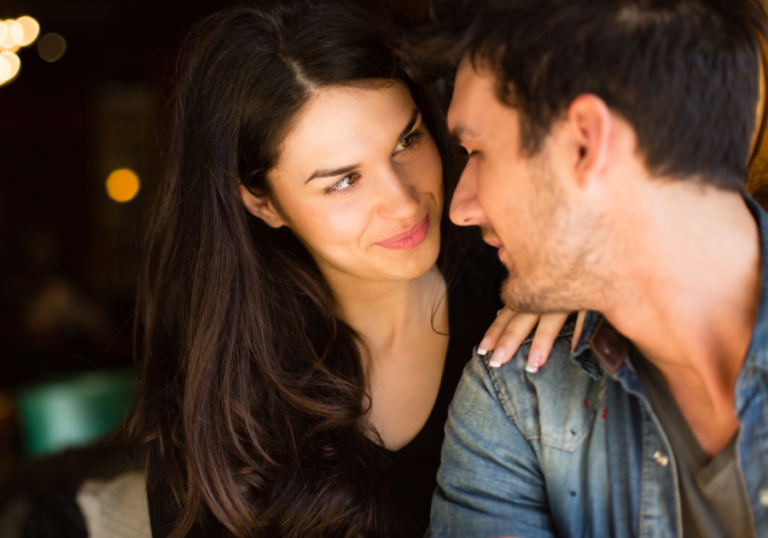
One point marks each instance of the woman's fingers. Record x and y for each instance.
(546, 333)
(577, 330)
(494, 332)
(511, 330)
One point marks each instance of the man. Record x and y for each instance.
(608, 143)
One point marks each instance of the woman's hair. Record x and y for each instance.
(252, 391)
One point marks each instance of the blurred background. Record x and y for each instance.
(84, 91)
(82, 106)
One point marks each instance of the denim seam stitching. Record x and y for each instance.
(499, 396)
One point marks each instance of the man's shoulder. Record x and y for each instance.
(552, 405)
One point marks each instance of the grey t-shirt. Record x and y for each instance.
(712, 492)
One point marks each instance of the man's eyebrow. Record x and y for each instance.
(348, 169)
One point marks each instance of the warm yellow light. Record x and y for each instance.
(5, 69)
(25, 30)
(8, 42)
(123, 185)
(9, 67)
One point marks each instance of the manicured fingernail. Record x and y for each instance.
(482, 349)
(494, 364)
(498, 356)
(534, 359)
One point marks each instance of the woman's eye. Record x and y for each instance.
(344, 182)
(408, 142)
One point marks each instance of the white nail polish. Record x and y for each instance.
(482, 352)
(494, 364)
(531, 369)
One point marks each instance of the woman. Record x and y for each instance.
(301, 283)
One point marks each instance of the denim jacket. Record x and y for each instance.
(576, 449)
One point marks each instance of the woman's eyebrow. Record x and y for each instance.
(411, 123)
(348, 169)
(331, 173)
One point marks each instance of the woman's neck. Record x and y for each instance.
(404, 326)
(389, 314)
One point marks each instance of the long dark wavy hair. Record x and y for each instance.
(252, 392)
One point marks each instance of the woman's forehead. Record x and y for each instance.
(342, 123)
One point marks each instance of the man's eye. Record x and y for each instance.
(344, 182)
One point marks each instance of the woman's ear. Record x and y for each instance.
(261, 207)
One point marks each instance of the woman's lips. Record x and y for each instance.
(409, 239)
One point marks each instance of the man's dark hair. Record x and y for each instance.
(684, 73)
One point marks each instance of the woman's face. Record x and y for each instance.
(359, 181)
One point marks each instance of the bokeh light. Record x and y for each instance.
(25, 30)
(9, 66)
(7, 42)
(51, 47)
(123, 185)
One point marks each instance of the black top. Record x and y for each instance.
(473, 299)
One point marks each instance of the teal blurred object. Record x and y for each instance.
(74, 411)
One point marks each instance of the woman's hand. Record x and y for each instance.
(510, 329)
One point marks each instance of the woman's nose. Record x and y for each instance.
(400, 197)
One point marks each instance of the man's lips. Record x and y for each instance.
(409, 238)
(495, 243)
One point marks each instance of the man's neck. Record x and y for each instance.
(691, 286)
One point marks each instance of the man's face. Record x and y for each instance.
(517, 200)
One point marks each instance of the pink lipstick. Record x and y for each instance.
(408, 239)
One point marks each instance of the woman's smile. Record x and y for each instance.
(410, 238)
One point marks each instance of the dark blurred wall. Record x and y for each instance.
(68, 253)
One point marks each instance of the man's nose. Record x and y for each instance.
(465, 209)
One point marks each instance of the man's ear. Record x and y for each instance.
(591, 125)
(262, 207)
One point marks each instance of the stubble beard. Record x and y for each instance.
(559, 248)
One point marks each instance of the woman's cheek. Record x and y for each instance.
(342, 223)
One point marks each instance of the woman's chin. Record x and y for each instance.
(411, 264)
